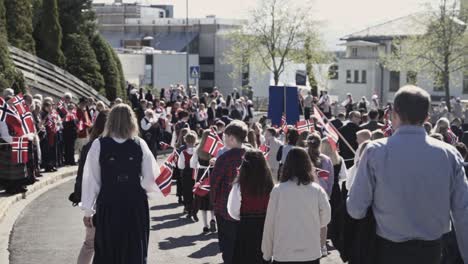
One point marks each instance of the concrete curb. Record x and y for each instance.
(8, 201)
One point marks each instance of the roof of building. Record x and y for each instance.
(360, 43)
(414, 24)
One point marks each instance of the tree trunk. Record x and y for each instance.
(446, 79)
(276, 77)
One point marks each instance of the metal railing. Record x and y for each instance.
(50, 80)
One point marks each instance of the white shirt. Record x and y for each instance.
(181, 161)
(234, 202)
(146, 125)
(294, 217)
(91, 185)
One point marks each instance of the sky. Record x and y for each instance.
(338, 17)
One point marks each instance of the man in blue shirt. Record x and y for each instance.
(415, 186)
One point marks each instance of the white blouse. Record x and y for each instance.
(181, 161)
(92, 175)
(234, 202)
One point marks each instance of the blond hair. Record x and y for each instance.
(121, 122)
(327, 150)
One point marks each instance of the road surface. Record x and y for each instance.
(50, 231)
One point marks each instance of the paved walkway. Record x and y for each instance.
(50, 231)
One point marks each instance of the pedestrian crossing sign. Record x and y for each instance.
(195, 72)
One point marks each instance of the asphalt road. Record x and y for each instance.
(50, 231)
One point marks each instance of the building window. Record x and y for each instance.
(465, 84)
(348, 76)
(161, 14)
(207, 76)
(438, 82)
(394, 81)
(363, 76)
(356, 76)
(411, 77)
(206, 60)
(354, 52)
(333, 72)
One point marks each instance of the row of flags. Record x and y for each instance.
(214, 144)
(318, 117)
(17, 116)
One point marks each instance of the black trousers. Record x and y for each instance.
(306, 113)
(409, 252)
(317, 261)
(227, 235)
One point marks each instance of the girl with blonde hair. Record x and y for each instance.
(118, 176)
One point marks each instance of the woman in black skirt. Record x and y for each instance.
(119, 172)
(248, 202)
(201, 161)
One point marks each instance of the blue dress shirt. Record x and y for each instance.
(415, 185)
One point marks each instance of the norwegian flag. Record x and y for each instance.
(322, 174)
(283, 121)
(164, 145)
(202, 188)
(70, 117)
(61, 107)
(19, 104)
(27, 123)
(265, 150)
(19, 150)
(164, 180)
(329, 130)
(10, 117)
(213, 144)
(305, 125)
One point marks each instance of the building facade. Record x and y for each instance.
(134, 26)
(361, 73)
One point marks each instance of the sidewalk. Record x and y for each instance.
(7, 201)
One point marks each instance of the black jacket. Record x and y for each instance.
(372, 125)
(75, 197)
(349, 133)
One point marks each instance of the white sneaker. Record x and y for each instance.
(324, 251)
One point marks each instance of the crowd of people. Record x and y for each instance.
(391, 189)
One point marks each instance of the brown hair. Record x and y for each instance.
(99, 125)
(237, 129)
(191, 138)
(313, 149)
(121, 122)
(255, 175)
(182, 134)
(292, 136)
(251, 138)
(412, 104)
(299, 167)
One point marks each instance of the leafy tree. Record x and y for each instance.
(48, 34)
(9, 77)
(273, 36)
(74, 14)
(19, 24)
(82, 61)
(108, 67)
(123, 86)
(441, 51)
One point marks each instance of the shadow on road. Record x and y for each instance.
(165, 206)
(209, 250)
(172, 224)
(166, 217)
(187, 241)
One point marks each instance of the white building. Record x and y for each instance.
(361, 73)
(157, 69)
